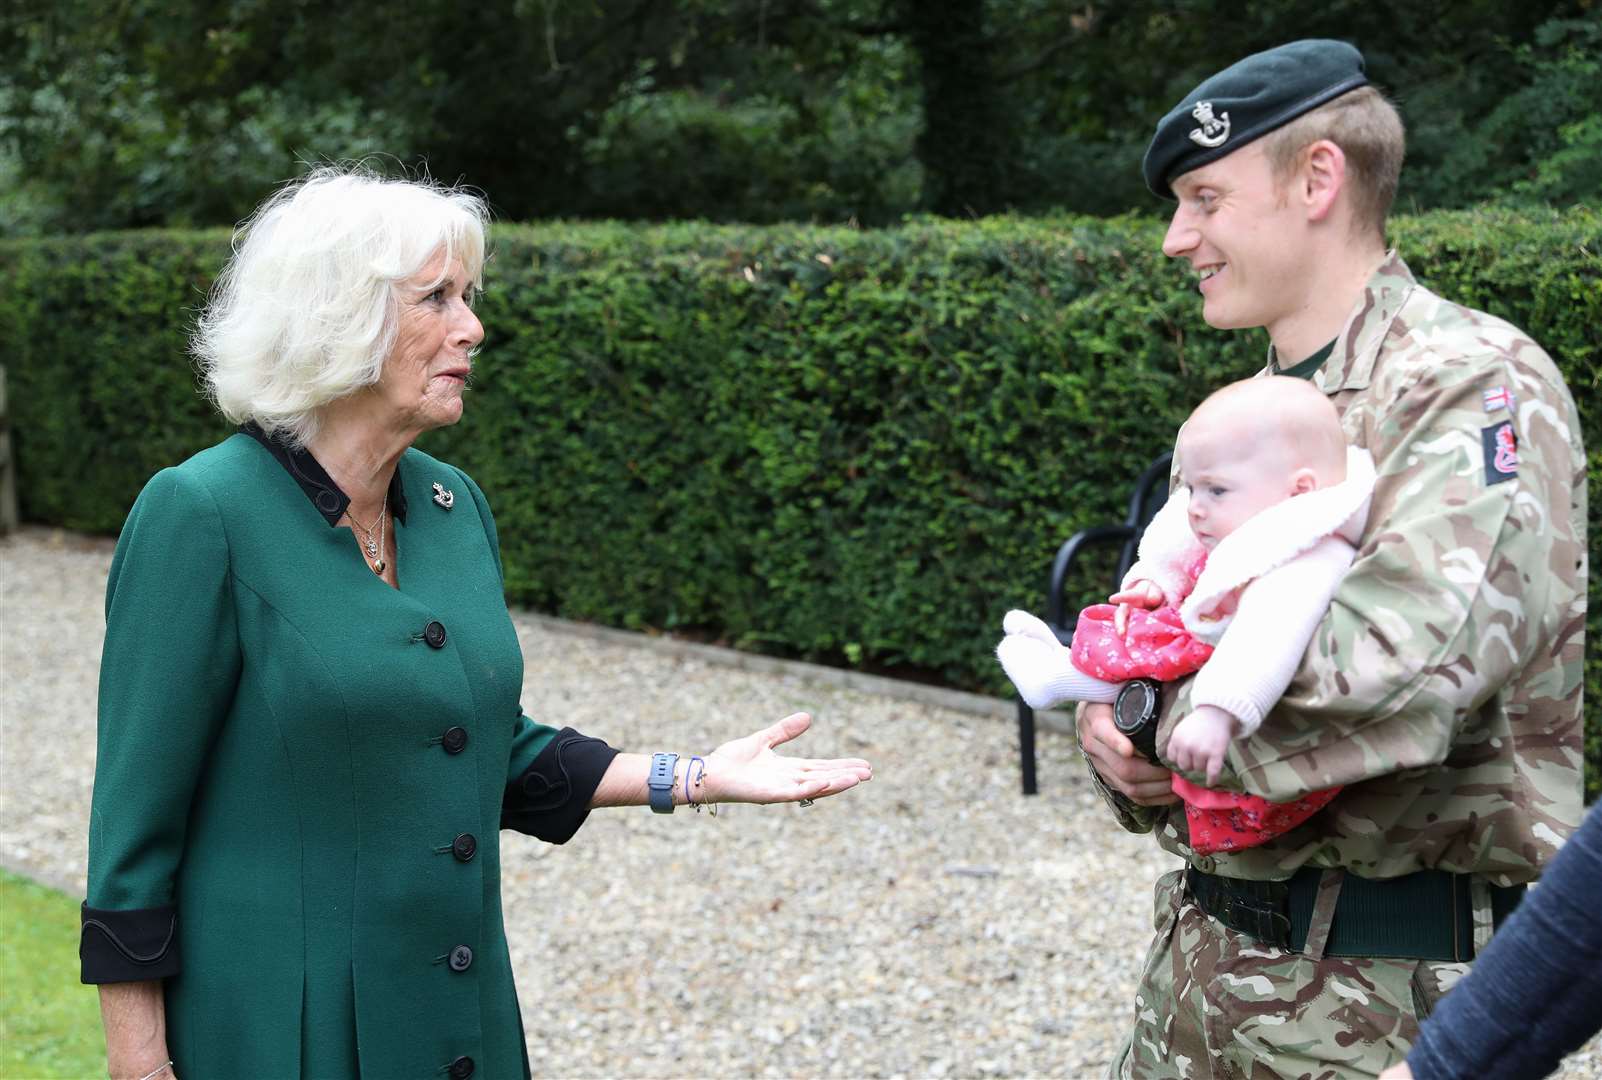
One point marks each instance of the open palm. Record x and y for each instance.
(747, 770)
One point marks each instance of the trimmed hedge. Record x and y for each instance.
(859, 447)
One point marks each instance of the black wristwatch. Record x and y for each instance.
(1136, 710)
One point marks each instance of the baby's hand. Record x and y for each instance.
(1201, 740)
(1141, 594)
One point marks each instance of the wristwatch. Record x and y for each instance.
(1136, 710)
(659, 784)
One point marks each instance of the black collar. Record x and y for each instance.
(315, 481)
(1304, 370)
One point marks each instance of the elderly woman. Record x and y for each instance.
(309, 731)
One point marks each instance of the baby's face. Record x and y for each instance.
(1229, 481)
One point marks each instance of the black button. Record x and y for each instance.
(455, 740)
(434, 634)
(464, 846)
(461, 958)
(462, 1068)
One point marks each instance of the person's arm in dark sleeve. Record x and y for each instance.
(167, 675)
(1535, 994)
(551, 780)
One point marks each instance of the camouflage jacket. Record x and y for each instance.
(1444, 685)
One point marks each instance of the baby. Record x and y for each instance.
(1235, 573)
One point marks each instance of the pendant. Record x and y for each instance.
(372, 548)
(378, 568)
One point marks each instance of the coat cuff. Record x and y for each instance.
(128, 946)
(552, 797)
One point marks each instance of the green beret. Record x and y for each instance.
(1246, 101)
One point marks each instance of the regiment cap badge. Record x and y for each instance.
(1214, 129)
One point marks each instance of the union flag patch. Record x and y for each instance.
(1499, 397)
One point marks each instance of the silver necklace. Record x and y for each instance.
(374, 548)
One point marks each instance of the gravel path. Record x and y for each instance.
(932, 923)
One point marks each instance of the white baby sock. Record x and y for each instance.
(1042, 668)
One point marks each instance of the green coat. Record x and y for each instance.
(272, 763)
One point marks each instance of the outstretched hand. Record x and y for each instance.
(747, 770)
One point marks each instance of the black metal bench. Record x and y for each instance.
(1151, 492)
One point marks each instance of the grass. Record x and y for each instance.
(49, 1022)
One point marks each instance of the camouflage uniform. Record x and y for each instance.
(1443, 688)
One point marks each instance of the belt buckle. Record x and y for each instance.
(1270, 925)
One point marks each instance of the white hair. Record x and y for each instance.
(305, 311)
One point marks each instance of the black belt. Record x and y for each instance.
(1425, 915)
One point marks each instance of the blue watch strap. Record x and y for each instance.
(659, 784)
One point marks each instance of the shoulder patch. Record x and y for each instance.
(1501, 452)
(1499, 397)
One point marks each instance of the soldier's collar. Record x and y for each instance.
(1357, 346)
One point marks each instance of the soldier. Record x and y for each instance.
(1443, 687)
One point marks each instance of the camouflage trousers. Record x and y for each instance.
(1216, 1003)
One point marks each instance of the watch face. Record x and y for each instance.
(1133, 706)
